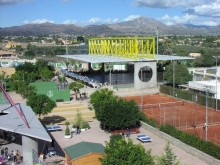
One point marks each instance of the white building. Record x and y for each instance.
(201, 86)
(205, 79)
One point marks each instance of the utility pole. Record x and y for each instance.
(206, 114)
(216, 85)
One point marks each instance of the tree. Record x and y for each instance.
(98, 99)
(46, 74)
(167, 158)
(18, 48)
(80, 39)
(41, 104)
(67, 130)
(76, 85)
(120, 151)
(29, 54)
(114, 112)
(120, 114)
(182, 75)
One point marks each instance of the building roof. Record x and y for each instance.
(12, 122)
(110, 58)
(83, 148)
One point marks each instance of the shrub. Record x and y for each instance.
(85, 125)
(67, 131)
(67, 123)
(192, 140)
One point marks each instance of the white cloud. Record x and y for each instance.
(185, 19)
(94, 20)
(210, 23)
(37, 21)
(111, 20)
(131, 17)
(211, 10)
(10, 2)
(67, 22)
(97, 20)
(189, 19)
(170, 3)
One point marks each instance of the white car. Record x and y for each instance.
(51, 152)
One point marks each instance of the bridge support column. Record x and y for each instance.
(147, 72)
(29, 150)
(103, 73)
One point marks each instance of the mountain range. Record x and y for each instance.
(138, 26)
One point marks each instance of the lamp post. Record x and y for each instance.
(141, 89)
(110, 76)
(157, 38)
(206, 114)
(216, 86)
(173, 78)
(164, 68)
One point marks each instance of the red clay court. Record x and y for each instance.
(184, 115)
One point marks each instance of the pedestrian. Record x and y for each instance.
(128, 132)
(6, 153)
(14, 156)
(77, 130)
(3, 152)
(11, 155)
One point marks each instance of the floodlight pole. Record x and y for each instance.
(110, 76)
(206, 115)
(173, 78)
(141, 89)
(157, 38)
(216, 86)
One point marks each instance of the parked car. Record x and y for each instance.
(51, 152)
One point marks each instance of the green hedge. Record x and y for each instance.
(188, 95)
(192, 140)
(149, 121)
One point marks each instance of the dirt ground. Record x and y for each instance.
(7, 71)
(184, 115)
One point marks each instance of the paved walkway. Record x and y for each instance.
(95, 134)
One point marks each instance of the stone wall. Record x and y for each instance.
(193, 151)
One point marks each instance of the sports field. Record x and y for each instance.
(184, 115)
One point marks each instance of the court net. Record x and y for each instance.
(163, 105)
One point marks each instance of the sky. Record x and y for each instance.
(88, 12)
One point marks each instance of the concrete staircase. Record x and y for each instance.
(67, 112)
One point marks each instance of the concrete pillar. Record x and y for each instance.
(138, 84)
(102, 73)
(29, 150)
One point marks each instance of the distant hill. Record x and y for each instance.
(138, 26)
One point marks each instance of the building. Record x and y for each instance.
(7, 55)
(11, 45)
(85, 153)
(194, 55)
(203, 74)
(202, 86)
(204, 79)
(10, 59)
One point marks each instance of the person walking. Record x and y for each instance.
(6, 153)
(3, 152)
(14, 156)
(128, 132)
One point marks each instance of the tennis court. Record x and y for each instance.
(184, 115)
